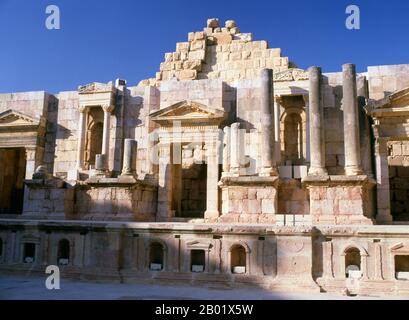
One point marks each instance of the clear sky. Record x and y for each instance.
(104, 40)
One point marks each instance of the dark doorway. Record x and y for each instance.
(352, 260)
(63, 252)
(189, 178)
(29, 252)
(399, 192)
(198, 260)
(238, 259)
(12, 174)
(156, 256)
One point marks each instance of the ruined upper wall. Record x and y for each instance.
(219, 53)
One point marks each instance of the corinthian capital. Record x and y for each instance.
(82, 108)
(108, 107)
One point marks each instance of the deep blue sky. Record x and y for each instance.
(104, 40)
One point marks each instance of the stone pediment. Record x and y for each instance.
(396, 104)
(293, 74)
(400, 248)
(11, 119)
(188, 112)
(96, 87)
(197, 245)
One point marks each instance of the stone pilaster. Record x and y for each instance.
(277, 142)
(351, 121)
(212, 189)
(105, 134)
(165, 182)
(81, 137)
(316, 117)
(226, 151)
(267, 120)
(236, 149)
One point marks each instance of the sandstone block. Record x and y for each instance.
(197, 55)
(187, 75)
(268, 206)
(182, 46)
(212, 23)
(230, 24)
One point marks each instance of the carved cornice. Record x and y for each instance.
(96, 87)
(293, 74)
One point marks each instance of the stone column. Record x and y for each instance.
(212, 188)
(235, 149)
(317, 142)
(129, 147)
(267, 119)
(327, 255)
(105, 134)
(164, 182)
(351, 121)
(226, 151)
(30, 161)
(277, 142)
(81, 137)
(307, 129)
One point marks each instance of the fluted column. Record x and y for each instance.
(81, 137)
(105, 134)
(267, 120)
(317, 142)
(351, 121)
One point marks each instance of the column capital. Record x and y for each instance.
(82, 108)
(108, 107)
(278, 99)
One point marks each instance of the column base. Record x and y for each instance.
(313, 171)
(211, 215)
(353, 171)
(268, 172)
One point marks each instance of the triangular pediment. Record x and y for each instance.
(197, 245)
(400, 248)
(187, 111)
(396, 104)
(12, 119)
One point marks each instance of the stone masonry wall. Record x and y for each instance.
(218, 53)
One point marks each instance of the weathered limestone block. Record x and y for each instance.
(249, 199)
(187, 74)
(230, 24)
(198, 45)
(212, 23)
(122, 198)
(48, 199)
(182, 46)
(294, 260)
(193, 65)
(197, 55)
(341, 199)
